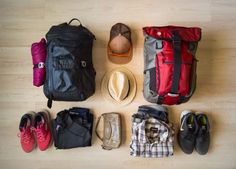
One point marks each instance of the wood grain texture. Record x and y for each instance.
(26, 21)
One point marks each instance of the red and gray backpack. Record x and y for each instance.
(170, 63)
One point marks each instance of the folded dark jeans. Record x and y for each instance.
(84, 117)
(73, 128)
(157, 112)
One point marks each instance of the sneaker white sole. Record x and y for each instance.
(184, 113)
(182, 116)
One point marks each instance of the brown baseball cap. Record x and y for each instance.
(119, 48)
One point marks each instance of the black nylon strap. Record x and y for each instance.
(49, 104)
(177, 62)
(160, 100)
(181, 99)
(152, 85)
(39, 65)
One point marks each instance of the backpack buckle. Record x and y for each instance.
(58, 127)
(83, 63)
(173, 94)
(176, 42)
(39, 65)
(176, 38)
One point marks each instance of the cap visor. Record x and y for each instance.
(120, 58)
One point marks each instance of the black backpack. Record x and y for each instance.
(70, 75)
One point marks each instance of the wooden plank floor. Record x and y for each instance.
(26, 21)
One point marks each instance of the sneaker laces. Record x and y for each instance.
(40, 132)
(24, 135)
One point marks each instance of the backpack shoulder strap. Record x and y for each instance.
(74, 19)
(177, 62)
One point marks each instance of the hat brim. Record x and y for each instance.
(120, 58)
(132, 87)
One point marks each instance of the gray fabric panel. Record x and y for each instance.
(192, 48)
(194, 78)
(151, 48)
(150, 51)
(149, 95)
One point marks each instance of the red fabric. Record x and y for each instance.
(27, 139)
(165, 69)
(43, 135)
(170, 100)
(192, 34)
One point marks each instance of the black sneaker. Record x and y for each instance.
(188, 131)
(203, 135)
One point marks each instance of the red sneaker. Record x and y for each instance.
(26, 134)
(42, 130)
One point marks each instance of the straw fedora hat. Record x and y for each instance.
(119, 86)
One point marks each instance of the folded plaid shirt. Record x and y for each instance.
(151, 138)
